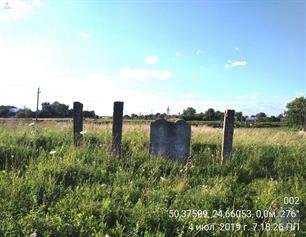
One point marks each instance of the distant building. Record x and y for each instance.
(251, 119)
(13, 111)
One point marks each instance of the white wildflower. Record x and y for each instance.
(162, 178)
(12, 156)
(107, 235)
(33, 234)
(31, 124)
(52, 152)
(204, 186)
(82, 132)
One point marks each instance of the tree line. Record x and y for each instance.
(48, 110)
(294, 116)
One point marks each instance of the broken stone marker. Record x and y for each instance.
(170, 139)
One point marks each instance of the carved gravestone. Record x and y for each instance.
(170, 139)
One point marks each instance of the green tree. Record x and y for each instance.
(296, 112)
(219, 115)
(262, 117)
(189, 113)
(210, 114)
(24, 113)
(238, 116)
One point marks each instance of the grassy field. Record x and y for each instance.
(50, 188)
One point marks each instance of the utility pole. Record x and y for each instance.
(38, 91)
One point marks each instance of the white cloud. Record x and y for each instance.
(178, 54)
(151, 60)
(16, 9)
(236, 48)
(37, 3)
(299, 93)
(84, 35)
(142, 74)
(231, 64)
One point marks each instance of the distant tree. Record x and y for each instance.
(219, 115)
(296, 112)
(189, 113)
(46, 111)
(209, 114)
(60, 110)
(239, 116)
(89, 114)
(134, 116)
(25, 113)
(261, 117)
(273, 119)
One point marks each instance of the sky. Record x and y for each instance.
(244, 55)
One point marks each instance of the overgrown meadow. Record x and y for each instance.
(50, 188)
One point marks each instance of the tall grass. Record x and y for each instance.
(50, 188)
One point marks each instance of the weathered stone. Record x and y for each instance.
(305, 121)
(77, 123)
(170, 139)
(117, 127)
(228, 131)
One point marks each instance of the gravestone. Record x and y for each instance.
(170, 139)
(117, 127)
(77, 123)
(228, 131)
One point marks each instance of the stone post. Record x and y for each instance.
(228, 131)
(305, 121)
(117, 127)
(77, 123)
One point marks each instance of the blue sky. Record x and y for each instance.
(242, 55)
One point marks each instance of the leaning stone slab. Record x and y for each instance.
(170, 139)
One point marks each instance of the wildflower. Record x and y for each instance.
(52, 152)
(31, 124)
(33, 234)
(162, 178)
(82, 132)
(12, 156)
(107, 235)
